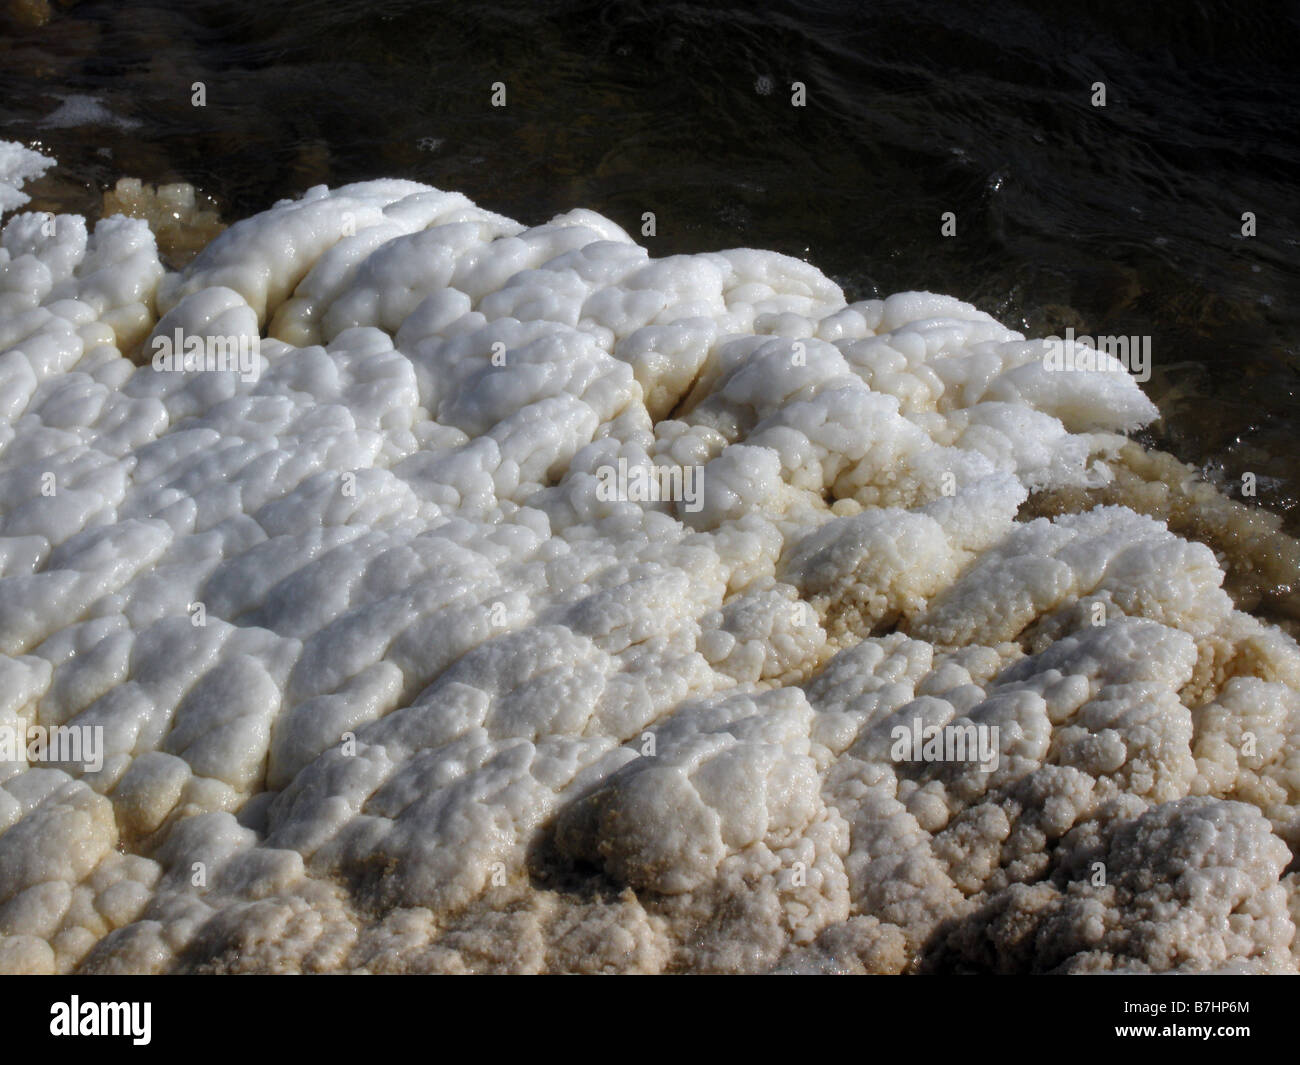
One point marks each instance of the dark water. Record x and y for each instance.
(1117, 220)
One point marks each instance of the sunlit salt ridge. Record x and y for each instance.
(386, 680)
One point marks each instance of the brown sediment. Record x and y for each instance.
(1261, 562)
(29, 13)
(183, 221)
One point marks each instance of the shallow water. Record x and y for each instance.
(1121, 220)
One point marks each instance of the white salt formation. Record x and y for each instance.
(386, 684)
(18, 165)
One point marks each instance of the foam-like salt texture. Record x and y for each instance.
(18, 165)
(388, 682)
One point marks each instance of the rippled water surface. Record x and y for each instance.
(1118, 220)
